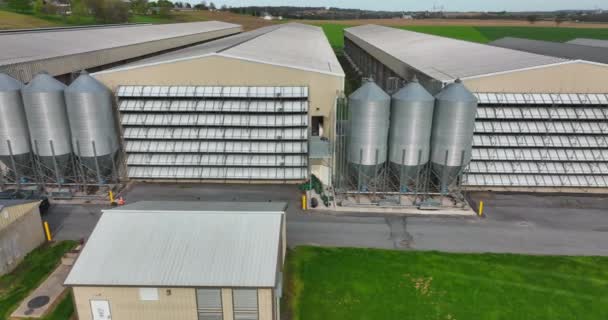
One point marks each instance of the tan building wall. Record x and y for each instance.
(20, 232)
(218, 70)
(577, 77)
(265, 304)
(125, 303)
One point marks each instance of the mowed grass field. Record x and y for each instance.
(483, 34)
(11, 20)
(366, 284)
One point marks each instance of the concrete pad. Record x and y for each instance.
(52, 288)
(408, 211)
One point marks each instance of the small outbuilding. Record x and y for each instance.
(20, 231)
(183, 261)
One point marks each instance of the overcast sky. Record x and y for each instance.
(420, 5)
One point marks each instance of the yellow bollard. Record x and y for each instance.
(111, 197)
(480, 212)
(47, 231)
(304, 202)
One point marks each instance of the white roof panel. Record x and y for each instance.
(290, 92)
(292, 45)
(180, 159)
(540, 141)
(533, 154)
(225, 120)
(177, 133)
(180, 249)
(220, 173)
(35, 45)
(524, 180)
(442, 58)
(541, 127)
(542, 112)
(227, 106)
(539, 98)
(259, 147)
(529, 167)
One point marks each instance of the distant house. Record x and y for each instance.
(20, 231)
(183, 261)
(63, 7)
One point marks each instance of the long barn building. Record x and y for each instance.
(542, 122)
(63, 51)
(243, 108)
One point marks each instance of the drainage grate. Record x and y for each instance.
(37, 302)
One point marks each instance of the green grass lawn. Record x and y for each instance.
(338, 283)
(36, 266)
(334, 33)
(489, 34)
(64, 310)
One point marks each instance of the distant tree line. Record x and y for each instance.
(319, 13)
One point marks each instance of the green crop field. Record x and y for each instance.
(365, 284)
(334, 33)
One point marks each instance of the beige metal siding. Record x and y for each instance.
(126, 305)
(20, 237)
(67, 64)
(218, 70)
(227, 304)
(577, 77)
(265, 305)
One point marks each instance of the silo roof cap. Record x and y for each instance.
(456, 92)
(8, 83)
(43, 82)
(369, 91)
(413, 91)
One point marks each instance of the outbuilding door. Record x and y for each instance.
(215, 133)
(100, 309)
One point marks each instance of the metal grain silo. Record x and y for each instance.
(452, 137)
(48, 123)
(410, 133)
(94, 136)
(14, 136)
(369, 112)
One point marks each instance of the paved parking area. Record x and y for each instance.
(519, 223)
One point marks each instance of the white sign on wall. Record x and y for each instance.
(101, 310)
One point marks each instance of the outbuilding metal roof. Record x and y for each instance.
(185, 245)
(442, 58)
(555, 49)
(590, 42)
(25, 53)
(292, 45)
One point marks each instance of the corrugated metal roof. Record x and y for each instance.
(292, 45)
(442, 58)
(190, 248)
(31, 47)
(555, 49)
(590, 42)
